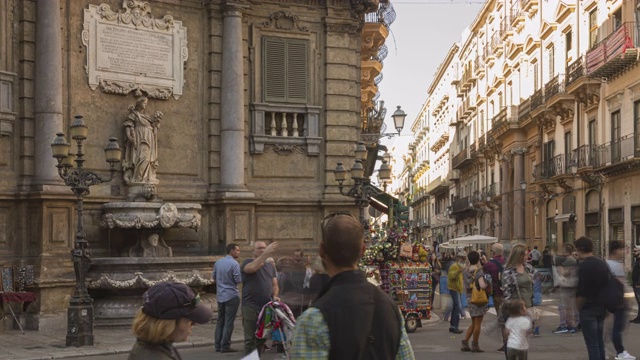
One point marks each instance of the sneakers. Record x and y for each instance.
(572, 330)
(502, 349)
(625, 356)
(561, 330)
(455, 331)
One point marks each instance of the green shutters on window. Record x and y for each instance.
(285, 77)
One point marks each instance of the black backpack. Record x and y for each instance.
(612, 293)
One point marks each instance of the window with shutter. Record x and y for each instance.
(285, 78)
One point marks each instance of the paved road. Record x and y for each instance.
(435, 342)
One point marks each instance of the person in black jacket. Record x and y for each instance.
(352, 318)
(635, 280)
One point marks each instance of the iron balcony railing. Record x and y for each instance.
(537, 99)
(490, 191)
(461, 204)
(385, 14)
(479, 63)
(554, 86)
(460, 158)
(574, 71)
(505, 26)
(619, 150)
(515, 12)
(585, 156)
(549, 168)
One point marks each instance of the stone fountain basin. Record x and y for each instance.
(117, 283)
(151, 215)
(124, 273)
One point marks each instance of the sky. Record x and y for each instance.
(420, 37)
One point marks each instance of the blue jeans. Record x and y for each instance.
(224, 326)
(454, 321)
(592, 320)
(619, 321)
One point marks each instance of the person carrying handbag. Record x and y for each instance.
(474, 277)
(517, 283)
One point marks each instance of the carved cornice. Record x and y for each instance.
(285, 20)
(235, 7)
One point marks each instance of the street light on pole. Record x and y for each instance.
(80, 312)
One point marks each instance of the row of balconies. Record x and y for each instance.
(601, 158)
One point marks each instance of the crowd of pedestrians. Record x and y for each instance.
(340, 315)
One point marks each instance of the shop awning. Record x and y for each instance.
(382, 201)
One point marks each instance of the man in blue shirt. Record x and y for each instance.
(226, 273)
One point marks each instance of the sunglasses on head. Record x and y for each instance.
(327, 219)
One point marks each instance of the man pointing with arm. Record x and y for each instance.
(259, 285)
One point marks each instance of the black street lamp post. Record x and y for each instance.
(80, 312)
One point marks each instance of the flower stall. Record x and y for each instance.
(401, 269)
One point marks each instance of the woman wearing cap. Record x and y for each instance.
(167, 315)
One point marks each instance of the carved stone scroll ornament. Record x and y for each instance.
(140, 282)
(125, 87)
(284, 20)
(137, 222)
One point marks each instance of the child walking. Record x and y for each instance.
(517, 329)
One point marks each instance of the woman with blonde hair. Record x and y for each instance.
(167, 315)
(517, 281)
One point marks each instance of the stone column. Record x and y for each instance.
(48, 90)
(518, 194)
(505, 233)
(232, 110)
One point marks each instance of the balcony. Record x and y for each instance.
(555, 86)
(529, 5)
(479, 64)
(506, 29)
(461, 205)
(517, 15)
(437, 186)
(611, 56)
(461, 158)
(549, 168)
(537, 99)
(505, 120)
(481, 143)
(620, 155)
(574, 71)
(491, 191)
(497, 45)
(585, 156)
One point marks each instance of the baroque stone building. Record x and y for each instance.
(546, 126)
(255, 102)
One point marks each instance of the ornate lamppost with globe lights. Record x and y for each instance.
(80, 312)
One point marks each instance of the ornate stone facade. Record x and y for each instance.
(206, 148)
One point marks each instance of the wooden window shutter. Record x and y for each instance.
(274, 83)
(297, 71)
(285, 68)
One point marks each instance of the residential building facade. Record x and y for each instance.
(547, 123)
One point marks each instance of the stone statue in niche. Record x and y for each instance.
(151, 245)
(141, 149)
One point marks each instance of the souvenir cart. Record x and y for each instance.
(401, 270)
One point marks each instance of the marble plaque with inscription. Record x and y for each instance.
(130, 50)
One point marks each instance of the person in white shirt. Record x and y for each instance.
(616, 254)
(518, 328)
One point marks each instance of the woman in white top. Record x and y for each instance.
(616, 254)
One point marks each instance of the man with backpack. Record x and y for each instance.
(494, 267)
